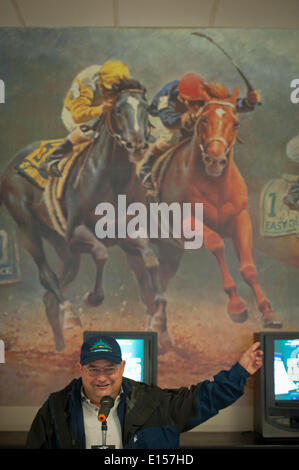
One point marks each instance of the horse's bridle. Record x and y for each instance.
(217, 138)
(116, 136)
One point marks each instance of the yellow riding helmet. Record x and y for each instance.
(112, 72)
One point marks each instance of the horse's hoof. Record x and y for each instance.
(93, 300)
(59, 344)
(272, 321)
(164, 343)
(238, 317)
(158, 324)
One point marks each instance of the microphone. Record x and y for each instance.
(107, 403)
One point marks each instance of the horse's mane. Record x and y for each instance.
(127, 84)
(215, 90)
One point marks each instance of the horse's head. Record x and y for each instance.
(216, 132)
(129, 119)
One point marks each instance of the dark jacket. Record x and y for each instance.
(150, 417)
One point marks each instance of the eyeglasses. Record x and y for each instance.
(94, 371)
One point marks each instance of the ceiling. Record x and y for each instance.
(150, 13)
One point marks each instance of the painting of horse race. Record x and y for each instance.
(149, 182)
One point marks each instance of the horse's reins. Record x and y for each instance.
(217, 138)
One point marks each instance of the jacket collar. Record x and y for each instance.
(76, 412)
(133, 410)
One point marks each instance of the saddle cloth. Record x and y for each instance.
(53, 187)
(276, 219)
(30, 166)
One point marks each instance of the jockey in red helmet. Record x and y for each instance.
(174, 111)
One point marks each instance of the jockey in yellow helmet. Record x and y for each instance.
(90, 95)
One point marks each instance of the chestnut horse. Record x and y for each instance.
(106, 169)
(202, 169)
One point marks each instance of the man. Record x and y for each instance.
(143, 417)
(175, 109)
(91, 94)
(292, 197)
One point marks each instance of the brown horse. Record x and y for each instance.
(106, 169)
(202, 169)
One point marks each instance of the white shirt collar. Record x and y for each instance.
(87, 400)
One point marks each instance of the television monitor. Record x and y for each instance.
(276, 394)
(139, 350)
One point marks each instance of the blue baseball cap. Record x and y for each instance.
(100, 347)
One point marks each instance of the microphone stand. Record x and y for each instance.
(106, 403)
(104, 432)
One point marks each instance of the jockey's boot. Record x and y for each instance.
(50, 165)
(145, 172)
(292, 198)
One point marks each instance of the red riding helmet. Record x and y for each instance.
(191, 87)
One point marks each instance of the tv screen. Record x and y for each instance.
(276, 391)
(286, 369)
(133, 353)
(139, 350)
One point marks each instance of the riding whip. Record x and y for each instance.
(248, 84)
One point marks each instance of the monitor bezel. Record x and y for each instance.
(150, 349)
(268, 366)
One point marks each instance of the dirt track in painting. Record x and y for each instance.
(204, 338)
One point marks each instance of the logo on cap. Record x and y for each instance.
(101, 346)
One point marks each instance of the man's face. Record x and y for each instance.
(100, 378)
